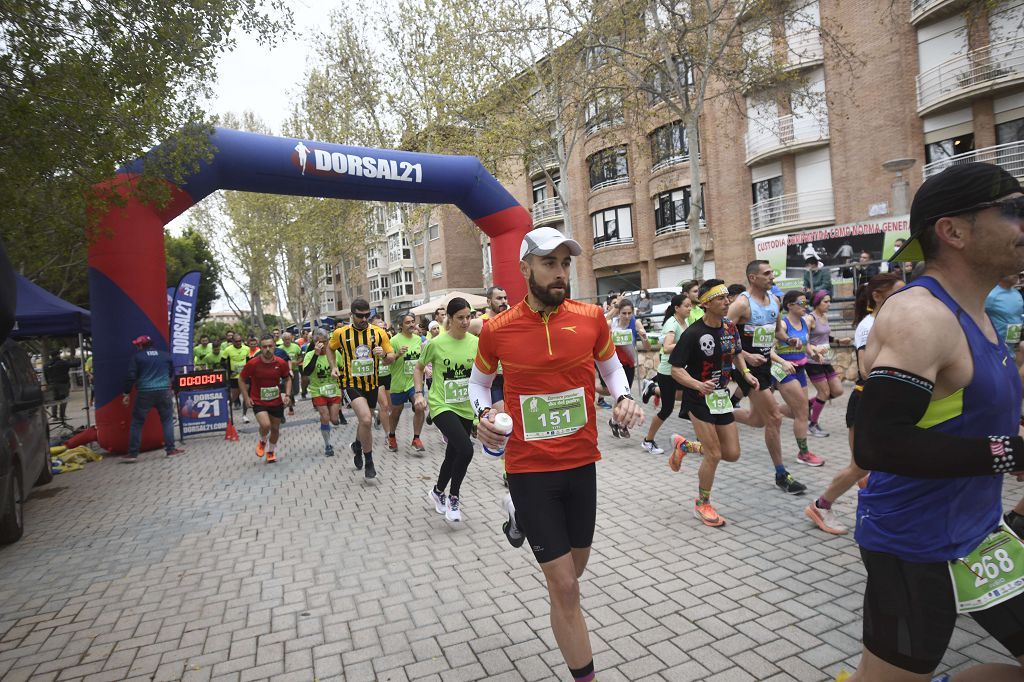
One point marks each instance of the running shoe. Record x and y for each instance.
(510, 528)
(175, 452)
(825, 519)
(291, 411)
(453, 513)
(618, 431)
(357, 450)
(376, 418)
(680, 448)
(817, 431)
(647, 392)
(245, 418)
(810, 459)
(342, 420)
(601, 402)
(261, 447)
(707, 514)
(329, 451)
(439, 500)
(132, 459)
(392, 443)
(371, 471)
(417, 445)
(788, 484)
(271, 458)
(652, 447)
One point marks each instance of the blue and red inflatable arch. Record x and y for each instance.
(127, 268)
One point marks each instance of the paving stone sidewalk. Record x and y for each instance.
(216, 565)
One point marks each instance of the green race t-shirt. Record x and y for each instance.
(695, 314)
(293, 350)
(321, 383)
(213, 360)
(671, 325)
(401, 370)
(453, 363)
(237, 357)
(200, 352)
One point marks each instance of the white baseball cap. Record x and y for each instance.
(544, 240)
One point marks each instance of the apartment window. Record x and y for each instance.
(608, 167)
(612, 226)
(767, 189)
(372, 259)
(602, 111)
(1011, 131)
(672, 210)
(767, 211)
(398, 248)
(435, 270)
(378, 288)
(660, 87)
(434, 231)
(403, 283)
(540, 190)
(668, 145)
(947, 149)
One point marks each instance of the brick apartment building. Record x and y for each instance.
(935, 81)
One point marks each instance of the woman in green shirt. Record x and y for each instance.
(676, 314)
(452, 356)
(323, 387)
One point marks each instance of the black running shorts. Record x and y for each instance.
(275, 411)
(763, 374)
(851, 407)
(698, 409)
(385, 381)
(369, 396)
(909, 613)
(556, 509)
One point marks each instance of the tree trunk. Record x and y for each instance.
(256, 301)
(696, 198)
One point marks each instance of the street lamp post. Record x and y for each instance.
(900, 186)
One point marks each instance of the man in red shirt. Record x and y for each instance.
(547, 345)
(259, 382)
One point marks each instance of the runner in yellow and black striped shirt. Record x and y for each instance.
(363, 346)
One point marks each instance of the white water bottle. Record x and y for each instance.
(502, 422)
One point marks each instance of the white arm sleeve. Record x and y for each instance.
(480, 389)
(614, 376)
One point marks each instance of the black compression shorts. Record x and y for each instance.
(369, 396)
(385, 381)
(556, 509)
(763, 374)
(909, 613)
(275, 411)
(851, 407)
(697, 408)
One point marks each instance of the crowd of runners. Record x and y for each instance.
(936, 411)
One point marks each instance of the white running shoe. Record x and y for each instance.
(453, 513)
(245, 418)
(440, 503)
(511, 528)
(652, 447)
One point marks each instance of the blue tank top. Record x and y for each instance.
(926, 520)
(798, 355)
(760, 316)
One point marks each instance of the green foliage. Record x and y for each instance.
(89, 87)
(191, 251)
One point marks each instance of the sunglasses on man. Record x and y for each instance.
(1009, 208)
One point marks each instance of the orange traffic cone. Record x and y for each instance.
(230, 433)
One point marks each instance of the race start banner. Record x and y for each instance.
(183, 317)
(202, 402)
(833, 246)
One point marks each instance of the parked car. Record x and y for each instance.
(24, 439)
(660, 298)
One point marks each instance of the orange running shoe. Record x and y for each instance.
(392, 443)
(271, 457)
(261, 447)
(680, 447)
(417, 445)
(707, 514)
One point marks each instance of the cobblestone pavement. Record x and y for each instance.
(216, 565)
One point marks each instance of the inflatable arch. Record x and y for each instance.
(127, 268)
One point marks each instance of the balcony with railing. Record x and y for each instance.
(928, 9)
(679, 226)
(1010, 156)
(604, 243)
(547, 211)
(785, 135)
(805, 49)
(611, 182)
(995, 66)
(793, 210)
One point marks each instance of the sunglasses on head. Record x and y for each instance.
(1010, 208)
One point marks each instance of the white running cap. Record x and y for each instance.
(544, 240)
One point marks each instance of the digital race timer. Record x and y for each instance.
(213, 378)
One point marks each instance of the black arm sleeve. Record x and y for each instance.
(310, 364)
(887, 438)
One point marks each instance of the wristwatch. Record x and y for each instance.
(624, 396)
(483, 412)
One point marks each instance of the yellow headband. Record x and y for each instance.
(713, 292)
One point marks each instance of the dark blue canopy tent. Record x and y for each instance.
(40, 313)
